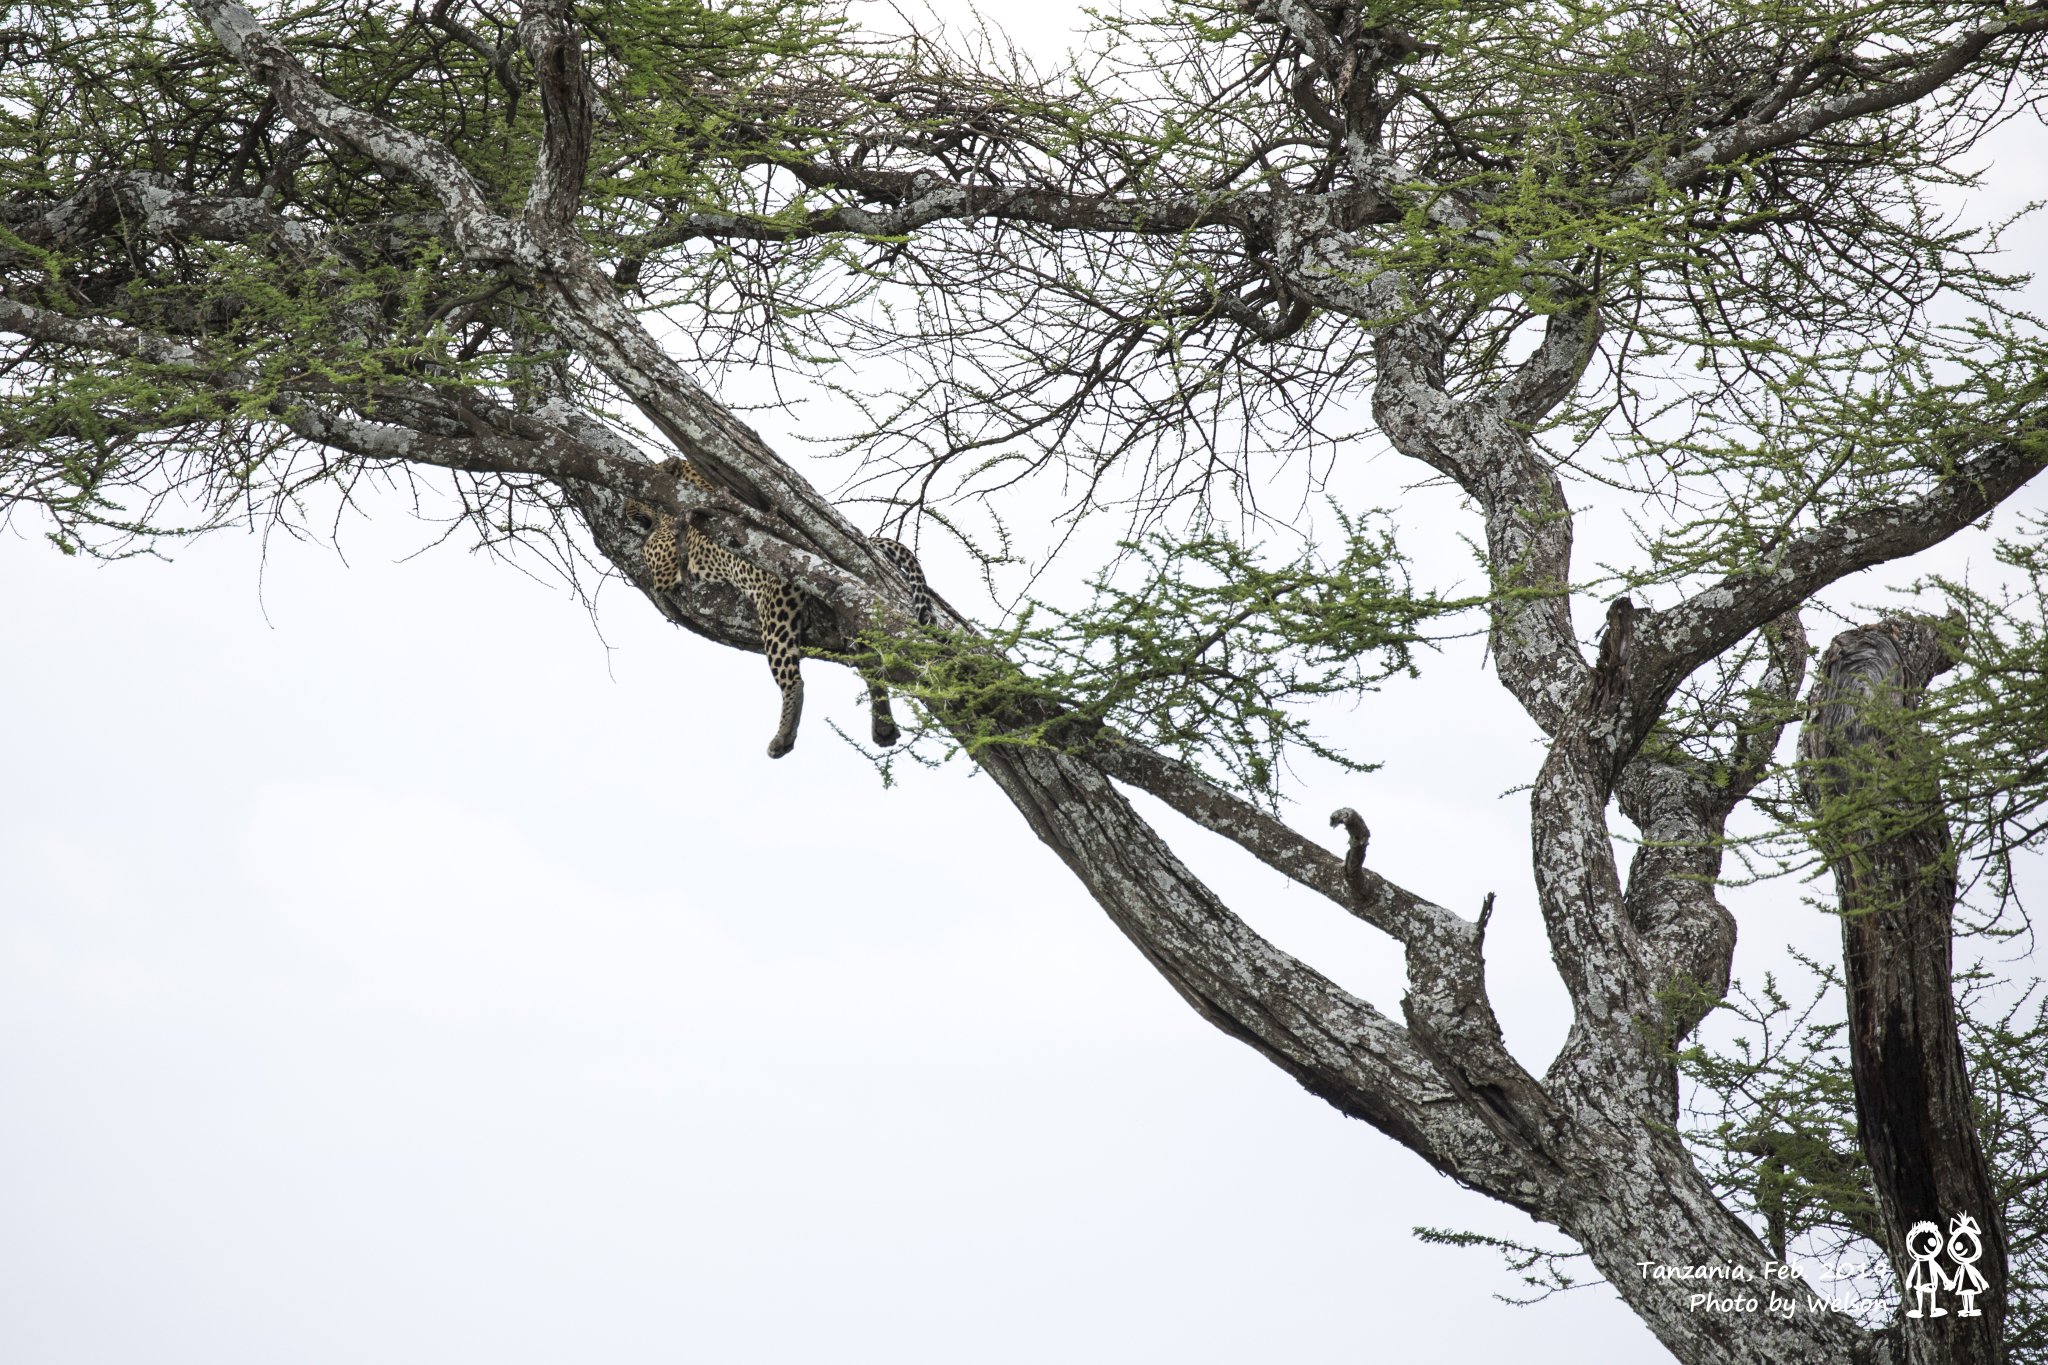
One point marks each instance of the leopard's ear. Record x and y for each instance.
(640, 514)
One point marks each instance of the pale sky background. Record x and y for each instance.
(394, 969)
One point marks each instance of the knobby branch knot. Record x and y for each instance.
(1617, 648)
(1354, 857)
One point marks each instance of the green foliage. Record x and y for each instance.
(363, 295)
(2008, 1059)
(1773, 1124)
(1991, 715)
(1810, 437)
(1531, 147)
(1209, 657)
(696, 101)
(1963, 763)
(1542, 1271)
(1775, 1118)
(1760, 383)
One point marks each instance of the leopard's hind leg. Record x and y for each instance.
(884, 727)
(780, 605)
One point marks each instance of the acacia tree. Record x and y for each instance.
(1686, 251)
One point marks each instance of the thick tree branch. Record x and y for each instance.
(1552, 371)
(1680, 805)
(555, 47)
(152, 202)
(40, 324)
(1528, 522)
(1745, 139)
(1337, 1046)
(1673, 643)
(1447, 1008)
(484, 235)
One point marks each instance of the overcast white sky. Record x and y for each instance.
(392, 969)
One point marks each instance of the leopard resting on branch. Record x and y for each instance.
(780, 606)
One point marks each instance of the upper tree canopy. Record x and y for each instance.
(1212, 242)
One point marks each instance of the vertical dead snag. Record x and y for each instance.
(1875, 797)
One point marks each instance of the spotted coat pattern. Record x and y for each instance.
(780, 606)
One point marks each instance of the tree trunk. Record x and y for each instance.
(1872, 786)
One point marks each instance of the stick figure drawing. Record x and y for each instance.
(1924, 1279)
(1969, 1281)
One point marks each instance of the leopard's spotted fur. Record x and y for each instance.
(780, 605)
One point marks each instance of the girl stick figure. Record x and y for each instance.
(1964, 1235)
(1924, 1279)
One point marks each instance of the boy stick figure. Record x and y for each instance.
(1924, 1279)
(1964, 1235)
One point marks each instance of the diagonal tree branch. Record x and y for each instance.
(1336, 1045)
(1746, 138)
(1447, 1008)
(484, 236)
(1673, 643)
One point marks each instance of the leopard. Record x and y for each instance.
(668, 556)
